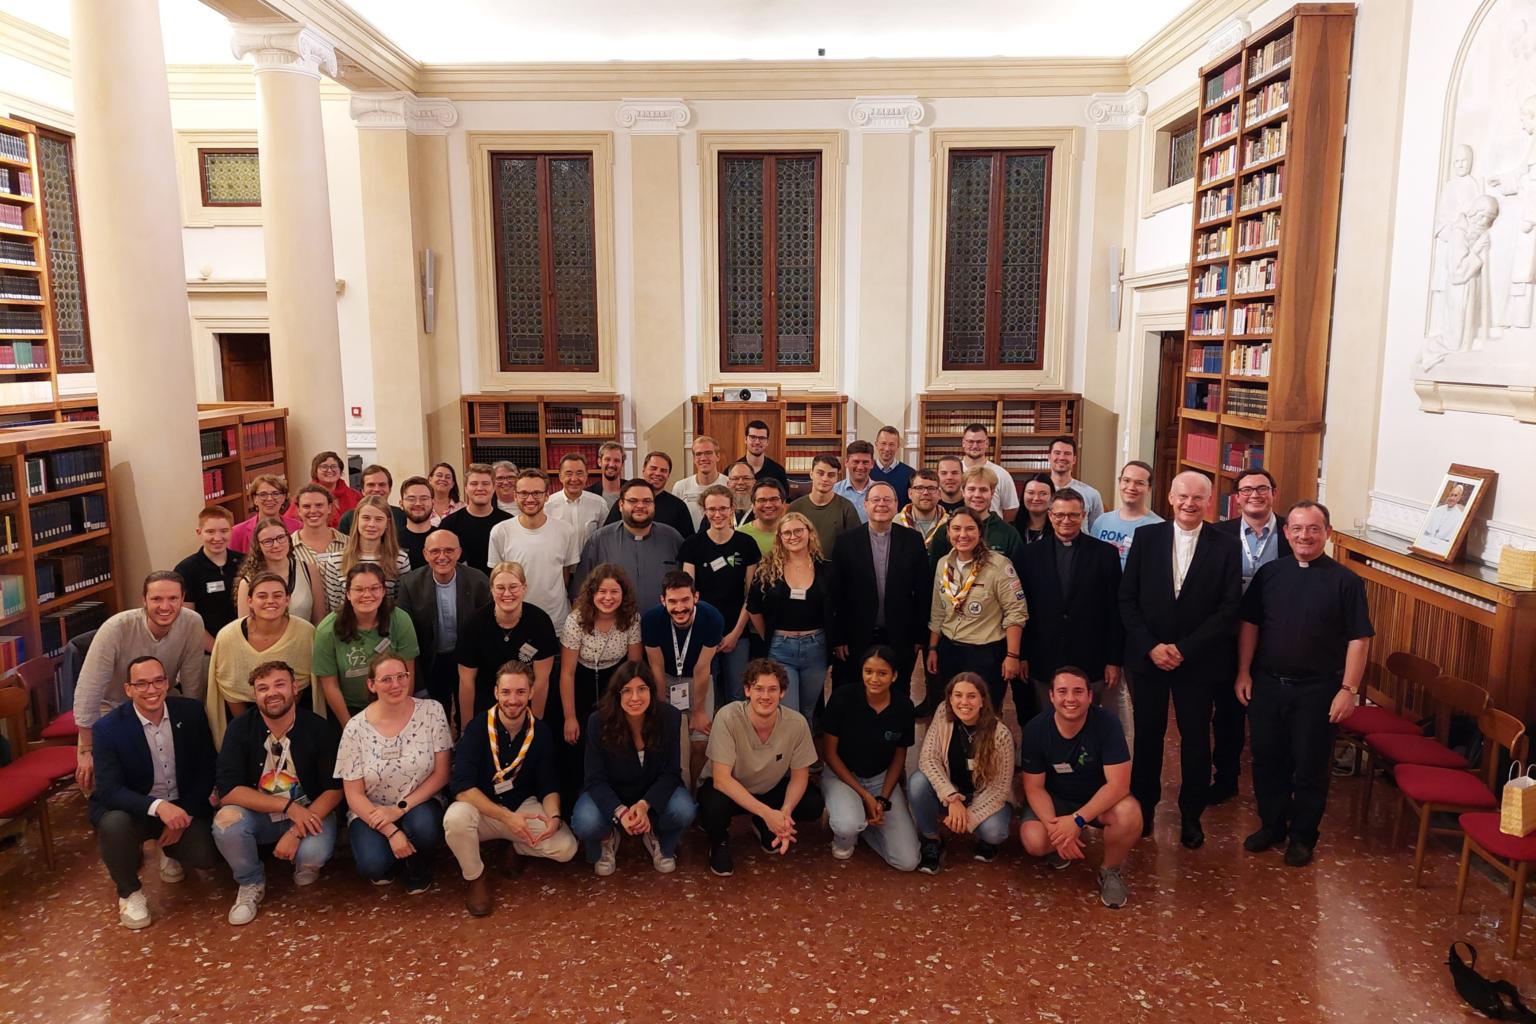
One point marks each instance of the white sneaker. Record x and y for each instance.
(133, 912)
(170, 868)
(247, 901)
(303, 874)
(608, 858)
(666, 865)
(843, 851)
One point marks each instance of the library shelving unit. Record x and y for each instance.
(56, 538)
(1021, 426)
(800, 426)
(1268, 175)
(537, 431)
(237, 441)
(29, 392)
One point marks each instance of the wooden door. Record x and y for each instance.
(246, 362)
(1165, 465)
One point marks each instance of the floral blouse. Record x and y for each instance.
(391, 767)
(599, 650)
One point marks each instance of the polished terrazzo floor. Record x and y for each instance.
(1212, 935)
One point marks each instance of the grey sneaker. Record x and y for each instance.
(660, 861)
(305, 874)
(247, 902)
(608, 859)
(1112, 891)
(1057, 861)
(133, 910)
(171, 869)
(841, 850)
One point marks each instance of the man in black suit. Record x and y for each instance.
(154, 780)
(445, 593)
(1261, 537)
(883, 584)
(1072, 587)
(1178, 601)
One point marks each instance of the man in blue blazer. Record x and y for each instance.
(154, 781)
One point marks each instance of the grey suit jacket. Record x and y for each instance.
(418, 599)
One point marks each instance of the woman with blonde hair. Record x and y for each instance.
(266, 495)
(372, 540)
(510, 628)
(265, 631)
(272, 552)
(965, 774)
(601, 632)
(790, 604)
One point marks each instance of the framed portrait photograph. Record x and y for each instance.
(1456, 501)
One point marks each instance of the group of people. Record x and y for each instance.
(722, 651)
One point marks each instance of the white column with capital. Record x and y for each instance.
(296, 222)
(130, 231)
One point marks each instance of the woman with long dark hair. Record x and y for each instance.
(601, 632)
(634, 775)
(366, 624)
(272, 551)
(976, 618)
(965, 774)
(444, 481)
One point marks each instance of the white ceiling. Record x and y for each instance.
(193, 34)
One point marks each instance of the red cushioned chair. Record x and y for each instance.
(1447, 696)
(1398, 706)
(1427, 789)
(23, 792)
(1484, 839)
(54, 763)
(48, 725)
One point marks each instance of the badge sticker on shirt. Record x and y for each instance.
(677, 695)
(973, 609)
(1009, 570)
(215, 586)
(382, 646)
(526, 652)
(970, 764)
(390, 753)
(504, 786)
(718, 564)
(1062, 769)
(797, 593)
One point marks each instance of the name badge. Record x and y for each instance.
(1062, 769)
(677, 695)
(382, 646)
(526, 652)
(970, 764)
(390, 753)
(505, 786)
(717, 564)
(797, 593)
(215, 586)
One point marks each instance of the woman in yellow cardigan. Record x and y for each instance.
(268, 633)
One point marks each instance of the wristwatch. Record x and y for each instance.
(884, 802)
(1077, 819)
(402, 805)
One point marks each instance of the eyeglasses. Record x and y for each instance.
(373, 591)
(1066, 517)
(640, 502)
(157, 683)
(764, 691)
(757, 437)
(1132, 482)
(1250, 491)
(531, 494)
(923, 488)
(268, 495)
(272, 542)
(508, 589)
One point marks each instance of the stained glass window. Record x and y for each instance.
(997, 219)
(546, 261)
(66, 276)
(229, 177)
(770, 261)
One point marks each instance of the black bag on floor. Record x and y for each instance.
(1498, 1000)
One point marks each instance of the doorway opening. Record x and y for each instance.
(245, 362)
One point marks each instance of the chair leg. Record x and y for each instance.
(1517, 907)
(1370, 780)
(45, 832)
(1418, 851)
(1461, 872)
(1397, 820)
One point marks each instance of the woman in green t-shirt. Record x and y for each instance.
(367, 623)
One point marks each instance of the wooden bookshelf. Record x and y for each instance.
(238, 441)
(26, 313)
(1021, 426)
(57, 545)
(537, 431)
(1267, 180)
(800, 427)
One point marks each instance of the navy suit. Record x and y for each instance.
(125, 773)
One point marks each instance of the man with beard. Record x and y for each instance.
(610, 468)
(763, 467)
(277, 775)
(951, 471)
(546, 548)
(416, 503)
(377, 480)
(656, 470)
(644, 549)
(681, 636)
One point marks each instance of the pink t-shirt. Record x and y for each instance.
(240, 536)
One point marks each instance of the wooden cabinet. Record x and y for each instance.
(239, 441)
(537, 431)
(1021, 427)
(800, 427)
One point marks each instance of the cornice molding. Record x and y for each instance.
(33, 44)
(1117, 111)
(1158, 278)
(368, 60)
(234, 286)
(1228, 37)
(283, 46)
(653, 116)
(1183, 37)
(886, 113)
(401, 111)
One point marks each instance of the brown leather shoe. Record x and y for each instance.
(478, 900)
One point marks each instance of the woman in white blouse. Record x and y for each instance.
(393, 763)
(601, 633)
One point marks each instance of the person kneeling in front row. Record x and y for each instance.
(505, 786)
(277, 774)
(634, 773)
(965, 771)
(760, 755)
(1077, 774)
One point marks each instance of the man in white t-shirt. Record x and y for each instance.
(975, 444)
(706, 473)
(1119, 527)
(573, 504)
(1063, 456)
(546, 548)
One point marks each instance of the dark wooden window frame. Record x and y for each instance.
(1189, 125)
(770, 265)
(994, 286)
(546, 259)
(68, 139)
(202, 174)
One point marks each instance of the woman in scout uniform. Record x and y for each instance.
(976, 621)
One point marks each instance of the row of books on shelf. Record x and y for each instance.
(564, 419)
(810, 420)
(1225, 84)
(1255, 275)
(259, 436)
(79, 568)
(17, 253)
(1216, 204)
(1270, 56)
(1250, 360)
(10, 217)
(1208, 320)
(13, 651)
(1024, 459)
(57, 628)
(21, 286)
(799, 463)
(16, 182)
(10, 533)
(21, 321)
(213, 484)
(1268, 144)
(1253, 318)
(1238, 456)
(1266, 187)
(955, 420)
(1200, 446)
(13, 147)
(1219, 125)
(218, 443)
(1205, 358)
(1211, 283)
(25, 392)
(7, 481)
(1202, 396)
(1218, 163)
(1259, 232)
(1215, 242)
(23, 355)
(1039, 418)
(13, 595)
(555, 451)
(1269, 99)
(1248, 401)
(511, 420)
(61, 470)
(52, 520)
(518, 454)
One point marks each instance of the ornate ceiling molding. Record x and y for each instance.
(654, 116)
(283, 46)
(1117, 111)
(419, 115)
(886, 113)
(1228, 37)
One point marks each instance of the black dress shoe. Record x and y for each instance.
(1221, 792)
(1298, 854)
(1262, 840)
(1191, 834)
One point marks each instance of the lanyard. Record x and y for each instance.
(677, 653)
(509, 773)
(1250, 555)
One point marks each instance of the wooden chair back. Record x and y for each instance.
(1406, 685)
(1449, 696)
(1501, 731)
(37, 674)
(14, 701)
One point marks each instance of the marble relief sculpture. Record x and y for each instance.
(1520, 181)
(1457, 194)
(1466, 289)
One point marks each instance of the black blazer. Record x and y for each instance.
(1084, 629)
(125, 773)
(908, 589)
(417, 597)
(614, 779)
(670, 509)
(1234, 526)
(1201, 621)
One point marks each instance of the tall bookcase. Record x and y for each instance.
(800, 427)
(537, 431)
(56, 538)
(1021, 427)
(1268, 175)
(29, 391)
(239, 440)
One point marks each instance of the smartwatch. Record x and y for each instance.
(402, 805)
(1077, 819)
(884, 802)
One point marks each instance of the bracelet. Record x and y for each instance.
(287, 805)
(1010, 654)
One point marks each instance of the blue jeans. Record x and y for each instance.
(895, 840)
(422, 825)
(592, 828)
(728, 670)
(928, 812)
(805, 659)
(238, 842)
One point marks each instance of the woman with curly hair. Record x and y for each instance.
(272, 551)
(372, 540)
(790, 604)
(965, 774)
(601, 633)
